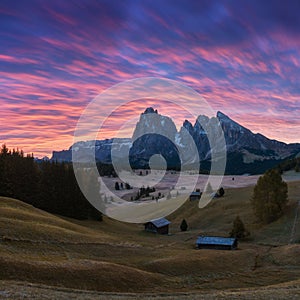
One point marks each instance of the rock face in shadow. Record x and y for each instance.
(154, 133)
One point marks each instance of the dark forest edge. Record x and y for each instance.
(289, 164)
(47, 185)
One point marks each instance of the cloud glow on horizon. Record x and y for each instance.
(55, 57)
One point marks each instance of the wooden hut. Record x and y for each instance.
(160, 226)
(195, 195)
(215, 242)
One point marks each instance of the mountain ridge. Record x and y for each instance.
(157, 134)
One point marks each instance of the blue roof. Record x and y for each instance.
(160, 222)
(215, 240)
(195, 193)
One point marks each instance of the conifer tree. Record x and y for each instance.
(238, 230)
(183, 225)
(270, 197)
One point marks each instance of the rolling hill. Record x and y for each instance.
(42, 253)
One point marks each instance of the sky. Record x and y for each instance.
(243, 57)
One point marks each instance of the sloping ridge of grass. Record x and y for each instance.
(82, 274)
(218, 216)
(21, 221)
(39, 247)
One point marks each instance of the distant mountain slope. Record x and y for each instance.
(247, 152)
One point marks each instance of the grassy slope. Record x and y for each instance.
(20, 221)
(217, 217)
(113, 256)
(40, 247)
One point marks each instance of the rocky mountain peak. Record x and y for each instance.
(152, 122)
(150, 110)
(221, 116)
(228, 124)
(188, 125)
(157, 134)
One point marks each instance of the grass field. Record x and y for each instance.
(49, 257)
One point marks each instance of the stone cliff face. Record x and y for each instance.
(238, 138)
(152, 122)
(154, 134)
(157, 134)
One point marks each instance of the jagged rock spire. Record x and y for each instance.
(150, 110)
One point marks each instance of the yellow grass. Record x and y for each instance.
(112, 256)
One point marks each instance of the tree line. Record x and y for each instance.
(47, 185)
(289, 164)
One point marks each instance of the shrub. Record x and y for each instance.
(183, 225)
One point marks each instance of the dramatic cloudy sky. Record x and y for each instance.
(243, 57)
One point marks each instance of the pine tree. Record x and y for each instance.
(183, 225)
(127, 186)
(238, 230)
(50, 186)
(270, 197)
(221, 192)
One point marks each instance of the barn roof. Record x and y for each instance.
(195, 193)
(161, 222)
(215, 240)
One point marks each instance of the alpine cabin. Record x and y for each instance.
(215, 242)
(160, 226)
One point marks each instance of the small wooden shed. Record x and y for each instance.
(160, 226)
(195, 195)
(216, 242)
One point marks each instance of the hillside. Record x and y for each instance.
(217, 217)
(43, 253)
(22, 222)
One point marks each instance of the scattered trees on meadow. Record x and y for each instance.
(117, 187)
(270, 197)
(127, 186)
(144, 192)
(120, 186)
